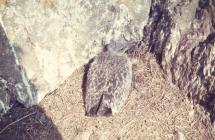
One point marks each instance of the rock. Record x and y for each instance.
(5, 96)
(53, 38)
(181, 34)
(14, 85)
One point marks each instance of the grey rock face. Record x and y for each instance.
(181, 34)
(107, 83)
(14, 85)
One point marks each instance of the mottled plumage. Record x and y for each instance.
(108, 80)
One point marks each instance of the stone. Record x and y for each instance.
(14, 85)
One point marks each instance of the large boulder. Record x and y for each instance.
(51, 38)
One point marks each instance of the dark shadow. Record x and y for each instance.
(208, 105)
(159, 24)
(84, 81)
(204, 3)
(21, 123)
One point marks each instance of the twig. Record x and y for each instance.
(22, 118)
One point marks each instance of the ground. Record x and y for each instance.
(155, 109)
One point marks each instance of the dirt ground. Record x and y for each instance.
(155, 110)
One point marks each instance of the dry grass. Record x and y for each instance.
(155, 109)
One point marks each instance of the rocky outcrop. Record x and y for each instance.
(181, 34)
